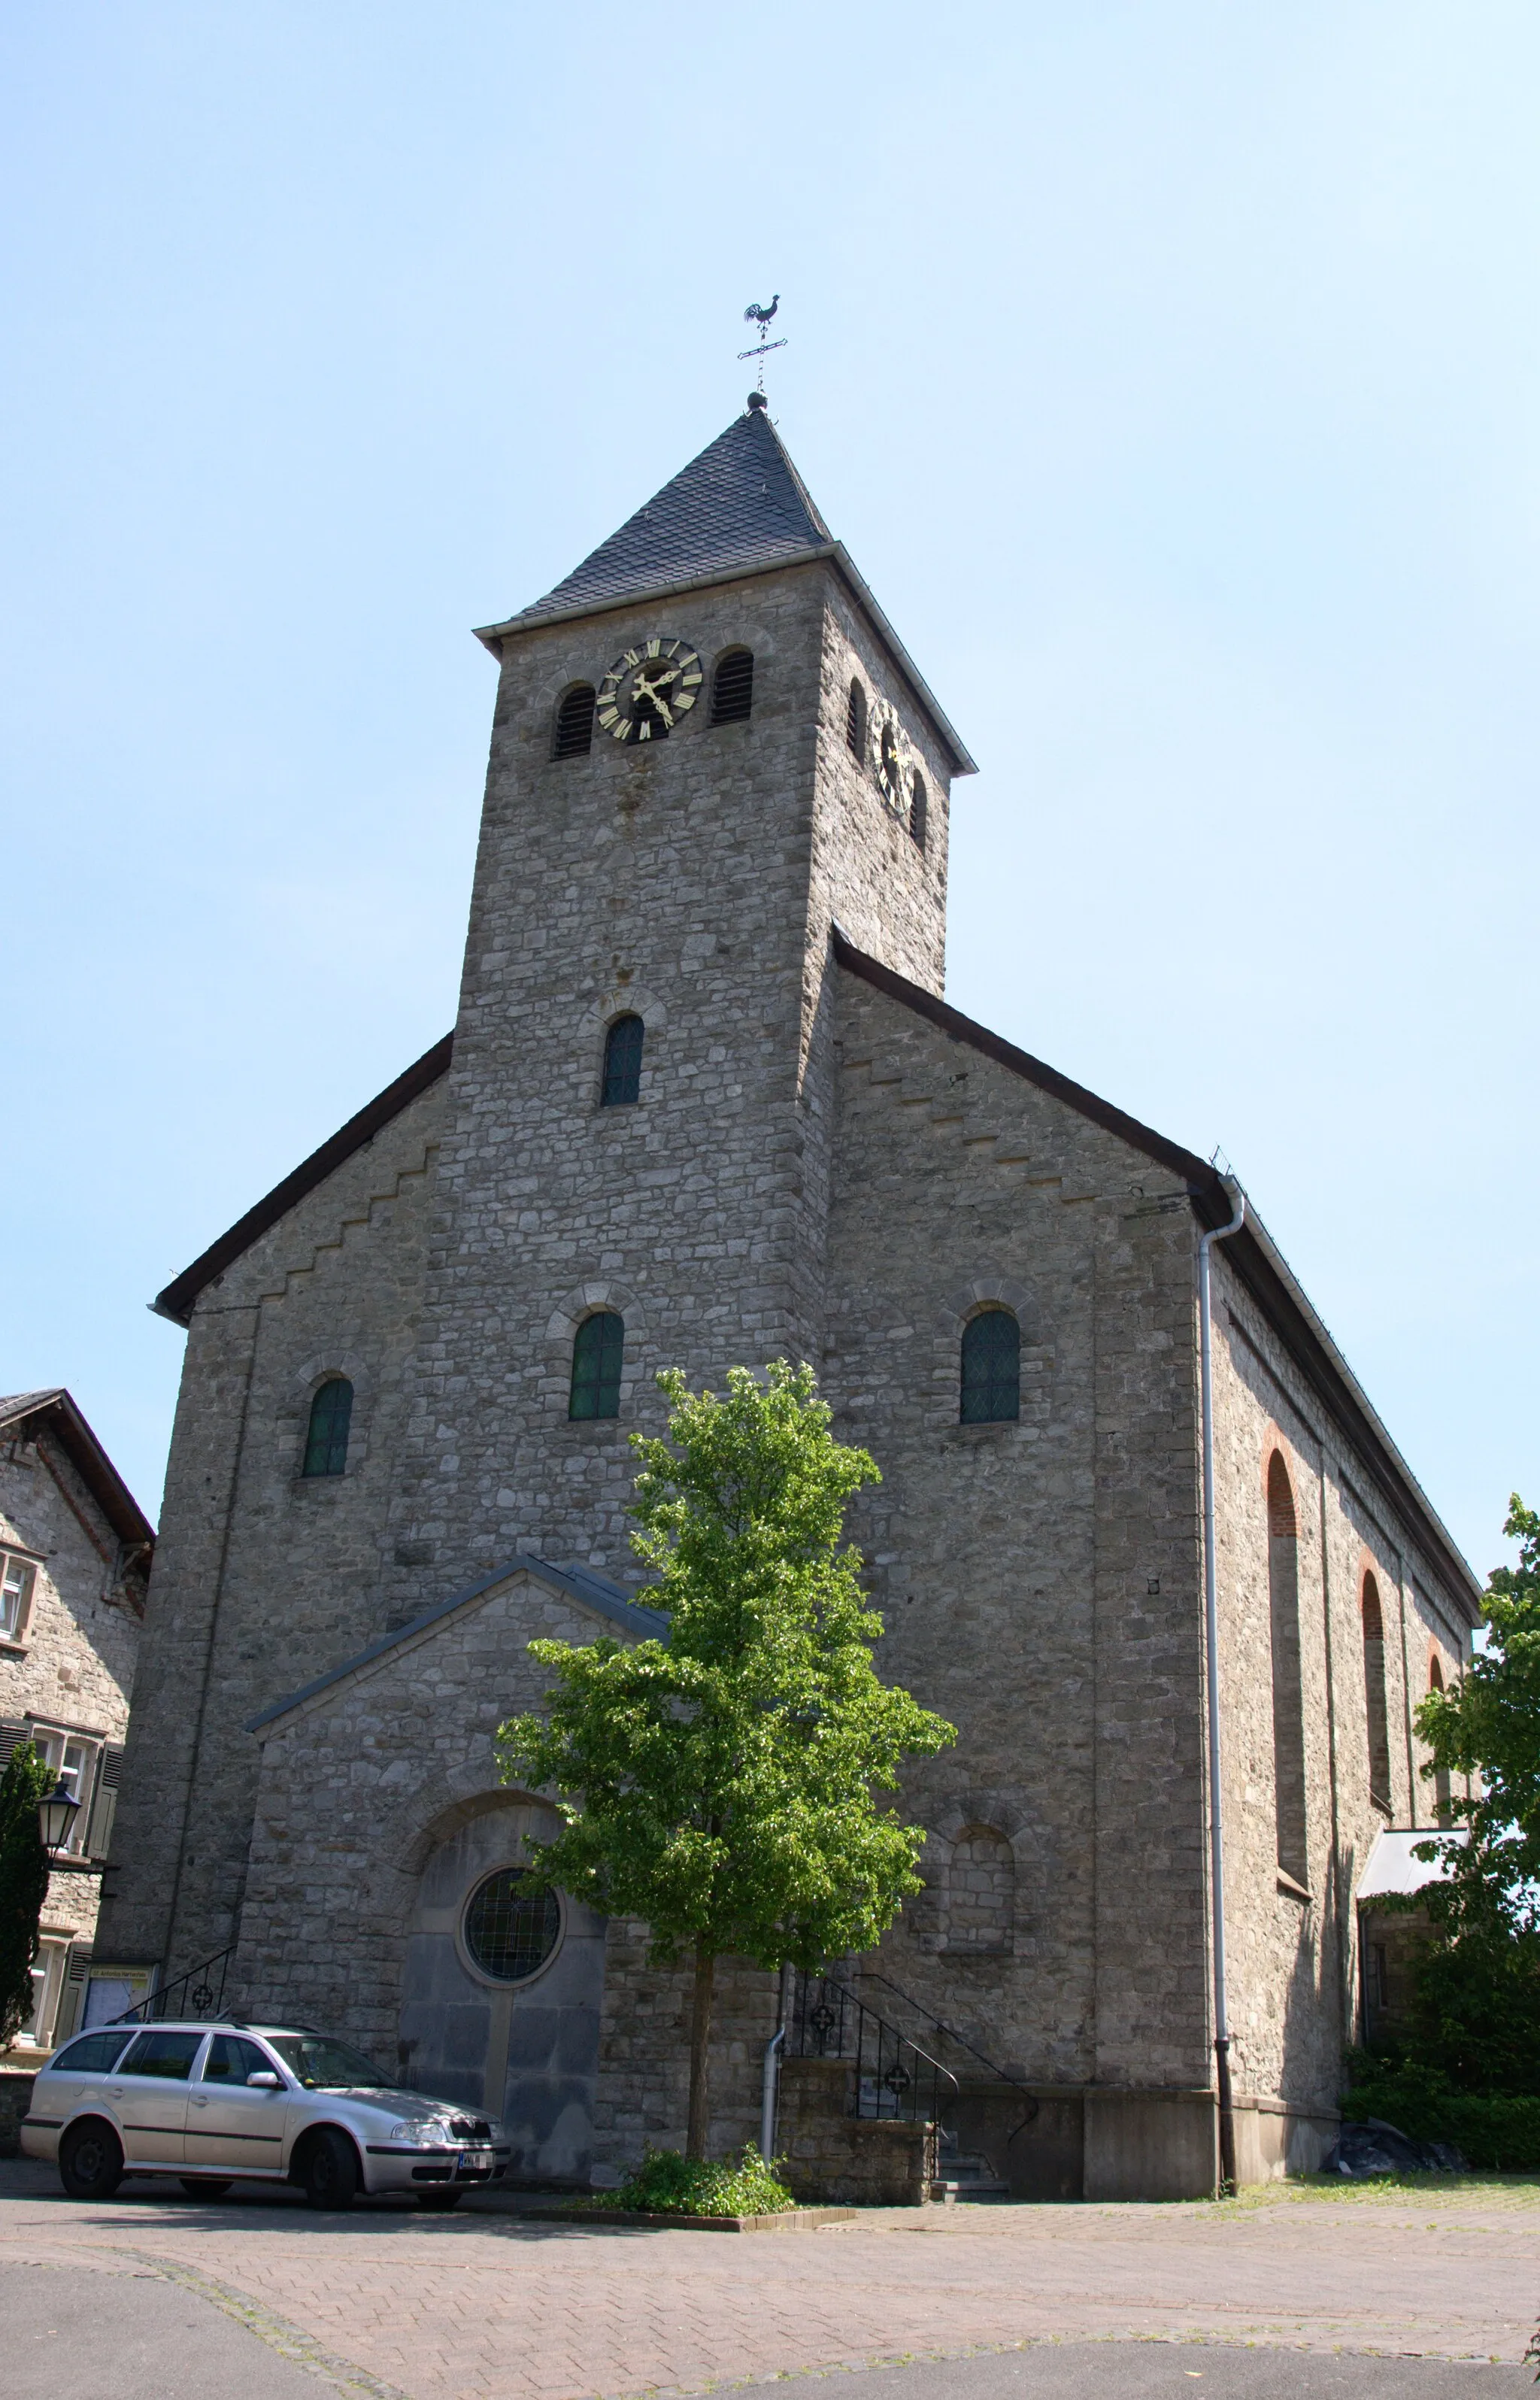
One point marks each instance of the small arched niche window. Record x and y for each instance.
(1376, 1716)
(1441, 1795)
(1283, 1592)
(574, 734)
(596, 1356)
(330, 1415)
(732, 688)
(919, 810)
(622, 1080)
(855, 720)
(991, 1368)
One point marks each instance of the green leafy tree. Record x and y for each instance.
(721, 1785)
(1476, 2018)
(23, 1884)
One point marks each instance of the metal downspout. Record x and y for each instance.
(1211, 1628)
(770, 2076)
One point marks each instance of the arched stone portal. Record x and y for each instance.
(485, 2020)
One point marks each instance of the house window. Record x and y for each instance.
(48, 1985)
(919, 808)
(991, 1368)
(509, 1930)
(855, 721)
(71, 1760)
(17, 1577)
(1283, 1588)
(574, 734)
(732, 688)
(1376, 1713)
(623, 1078)
(596, 1356)
(330, 1415)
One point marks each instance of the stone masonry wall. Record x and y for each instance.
(1293, 1981)
(1038, 1580)
(266, 1577)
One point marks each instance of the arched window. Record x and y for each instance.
(855, 721)
(732, 688)
(574, 736)
(1283, 1588)
(596, 1356)
(331, 1414)
(980, 1892)
(991, 1368)
(918, 810)
(622, 1082)
(1440, 1776)
(1377, 1714)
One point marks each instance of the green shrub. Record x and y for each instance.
(668, 2183)
(1497, 2131)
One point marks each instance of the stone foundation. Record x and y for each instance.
(832, 2156)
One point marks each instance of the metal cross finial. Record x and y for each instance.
(759, 318)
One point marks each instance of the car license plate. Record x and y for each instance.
(474, 2162)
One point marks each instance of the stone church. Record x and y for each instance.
(704, 1104)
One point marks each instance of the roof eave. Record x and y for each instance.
(494, 637)
(96, 1470)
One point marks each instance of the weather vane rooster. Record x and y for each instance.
(760, 319)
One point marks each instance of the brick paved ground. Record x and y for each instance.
(489, 2305)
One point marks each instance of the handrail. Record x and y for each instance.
(205, 1998)
(870, 1974)
(885, 2060)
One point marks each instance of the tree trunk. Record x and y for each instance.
(699, 2129)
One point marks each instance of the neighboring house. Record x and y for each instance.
(704, 1104)
(75, 1561)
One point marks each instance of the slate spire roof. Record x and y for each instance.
(741, 504)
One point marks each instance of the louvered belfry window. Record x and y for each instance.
(732, 688)
(330, 1417)
(855, 721)
(919, 808)
(574, 737)
(596, 1356)
(991, 1368)
(622, 1082)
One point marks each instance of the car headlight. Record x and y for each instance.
(434, 2131)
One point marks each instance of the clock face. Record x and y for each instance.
(649, 690)
(888, 749)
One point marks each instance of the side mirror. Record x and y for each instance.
(264, 2081)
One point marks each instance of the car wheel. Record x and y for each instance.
(90, 2161)
(206, 2186)
(439, 2200)
(331, 2171)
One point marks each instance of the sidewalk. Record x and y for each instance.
(491, 2305)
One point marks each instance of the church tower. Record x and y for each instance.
(708, 746)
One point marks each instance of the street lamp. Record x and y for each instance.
(56, 1817)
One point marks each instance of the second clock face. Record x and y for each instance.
(647, 692)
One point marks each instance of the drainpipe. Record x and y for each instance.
(1211, 1620)
(769, 2079)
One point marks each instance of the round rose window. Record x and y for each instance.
(509, 1930)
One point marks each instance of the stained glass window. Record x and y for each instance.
(596, 1366)
(510, 1931)
(331, 1414)
(991, 1368)
(622, 1083)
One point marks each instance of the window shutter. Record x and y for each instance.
(105, 1805)
(11, 1737)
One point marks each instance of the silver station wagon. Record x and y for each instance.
(212, 2103)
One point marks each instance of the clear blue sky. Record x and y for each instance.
(1170, 371)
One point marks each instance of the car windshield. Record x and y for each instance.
(322, 2065)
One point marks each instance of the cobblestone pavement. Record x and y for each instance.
(493, 2305)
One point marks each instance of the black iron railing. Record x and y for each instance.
(945, 2038)
(895, 2076)
(199, 1993)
